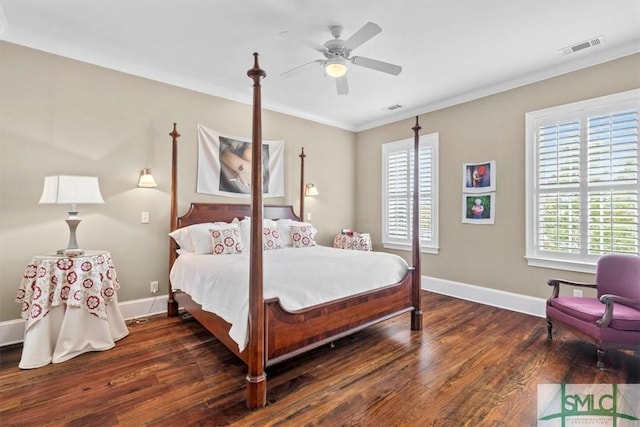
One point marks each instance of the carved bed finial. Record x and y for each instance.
(174, 133)
(256, 73)
(417, 126)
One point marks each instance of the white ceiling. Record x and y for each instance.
(450, 51)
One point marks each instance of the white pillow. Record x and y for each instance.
(285, 230)
(183, 237)
(245, 232)
(196, 237)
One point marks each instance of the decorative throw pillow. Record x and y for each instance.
(226, 240)
(285, 230)
(302, 236)
(362, 241)
(271, 238)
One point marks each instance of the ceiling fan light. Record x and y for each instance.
(336, 67)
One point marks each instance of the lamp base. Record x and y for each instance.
(70, 252)
(72, 248)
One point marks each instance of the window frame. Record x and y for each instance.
(426, 246)
(582, 110)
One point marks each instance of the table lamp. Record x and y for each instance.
(74, 190)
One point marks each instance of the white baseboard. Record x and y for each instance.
(12, 331)
(493, 297)
(144, 307)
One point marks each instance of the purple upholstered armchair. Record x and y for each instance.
(612, 320)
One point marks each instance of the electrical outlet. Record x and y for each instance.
(154, 287)
(577, 293)
(144, 217)
(308, 216)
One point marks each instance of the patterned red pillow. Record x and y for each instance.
(226, 241)
(302, 236)
(271, 238)
(362, 241)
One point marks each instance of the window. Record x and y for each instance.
(397, 176)
(582, 182)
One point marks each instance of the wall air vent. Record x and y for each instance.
(596, 41)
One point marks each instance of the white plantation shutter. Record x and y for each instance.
(558, 174)
(559, 222)
(583, 182)
(398, 193)
(398, 188)
(613, 183)
(426, 194)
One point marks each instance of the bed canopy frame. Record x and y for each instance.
(275, 334)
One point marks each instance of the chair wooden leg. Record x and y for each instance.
(549, 328)
(601, 354)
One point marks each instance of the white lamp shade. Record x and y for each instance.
(68, 189)
(311, 190)
(146, 179)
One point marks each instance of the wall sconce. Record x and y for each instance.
(63, 189)
(146, 179)
(311, 190)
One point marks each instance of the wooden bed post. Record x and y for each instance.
(416, 314)
(302, 184)
(172, 304)
(256, 394)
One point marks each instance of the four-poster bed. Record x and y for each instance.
(274, 333)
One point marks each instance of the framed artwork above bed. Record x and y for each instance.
(224, 165)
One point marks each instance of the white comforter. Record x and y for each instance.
(300, 277)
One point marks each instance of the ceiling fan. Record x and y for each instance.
(338, 59)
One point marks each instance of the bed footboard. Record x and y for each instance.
(291, 333)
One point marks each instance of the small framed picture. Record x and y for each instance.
(479, 177)
(478, 208)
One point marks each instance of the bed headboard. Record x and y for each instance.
(226, 212)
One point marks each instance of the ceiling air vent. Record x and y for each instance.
(596, 41)
(393, 107)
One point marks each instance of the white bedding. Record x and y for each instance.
(300, 277)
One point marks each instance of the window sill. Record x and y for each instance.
(579, 266)
(406, 247)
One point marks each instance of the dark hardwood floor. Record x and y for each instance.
(472, 365)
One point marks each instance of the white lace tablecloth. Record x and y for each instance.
(70, 307)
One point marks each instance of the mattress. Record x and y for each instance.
(299, 277)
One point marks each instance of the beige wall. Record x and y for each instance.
(491, 128)
(59, 116)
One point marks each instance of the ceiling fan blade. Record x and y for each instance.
(362, 35)
(374, 64)
(299, 68)
(342, 85)
(313, 45)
